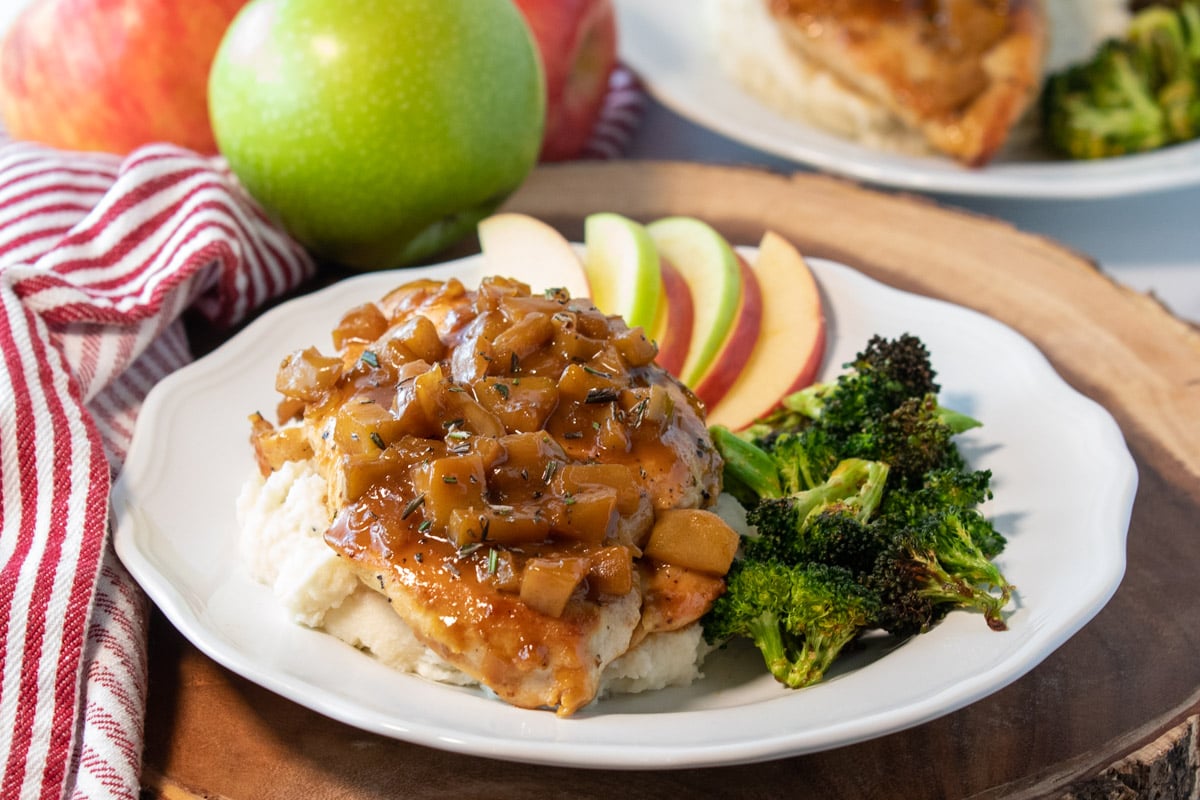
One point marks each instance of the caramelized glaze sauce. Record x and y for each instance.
(474, 438)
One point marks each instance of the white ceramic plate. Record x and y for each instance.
(1064, 485)
(668, 44)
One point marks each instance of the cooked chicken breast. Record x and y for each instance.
(962, 72)
(495, 464)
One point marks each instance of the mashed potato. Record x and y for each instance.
(750, 47)
(283, 519)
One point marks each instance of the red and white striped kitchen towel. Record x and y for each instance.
(99, 257)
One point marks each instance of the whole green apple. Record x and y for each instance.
(378, 131)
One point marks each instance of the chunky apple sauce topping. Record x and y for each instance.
(515, 473)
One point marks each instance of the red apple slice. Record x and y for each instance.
(523, 247)
(792, 345)
(739, 345)
(676, 316)
(710, 268)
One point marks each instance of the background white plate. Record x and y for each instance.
(1064, 484)
(667, 43)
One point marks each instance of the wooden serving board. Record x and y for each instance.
(1112, 713)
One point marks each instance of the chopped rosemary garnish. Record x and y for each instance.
(493, 561)
(573, 435)
(412, 506)
(378, 440)
(501, 389)
(449, 479)
(369, 358)
(605, 395)
(423, 527)
(548, 473)
(596, 372)
(639, 412)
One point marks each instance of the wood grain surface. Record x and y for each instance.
(1112, 713)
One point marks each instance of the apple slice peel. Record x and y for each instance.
(623, 269)
(710, 267)
(743, 339)
(792, 344)
(676, 318)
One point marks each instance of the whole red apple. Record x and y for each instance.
(112, 75)
(577, 40)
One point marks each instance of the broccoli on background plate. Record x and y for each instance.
(866, 517)
(1137, 93)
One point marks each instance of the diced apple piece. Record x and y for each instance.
(505, 525)
(419, 337)
(710, 267)
(589, 516)
(792, 343)
(523, 247)
(363, 323)
(523, 404)
(622, 268)
(578, 478)
(273, 447)
(693, 538)
(449, 483)
(548, 583)
(307, 375)
(741, 341)
(363, 427)
(611, 570)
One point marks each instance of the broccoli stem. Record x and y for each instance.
(747, 463)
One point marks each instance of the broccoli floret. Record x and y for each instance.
(804, 460)
(913, 439)
(826, 524)
(865, 516)
(834, 535)
(799, 617)
(933, 566)
(881, 377)
(877, 382)
(882, 408)
(943, 489)
(1136, 93)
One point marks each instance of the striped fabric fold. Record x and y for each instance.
(99, 257)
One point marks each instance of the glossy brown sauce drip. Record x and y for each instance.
(462, 595)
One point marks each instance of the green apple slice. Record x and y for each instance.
(623, 269)
(523, 247)
(710, 267)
